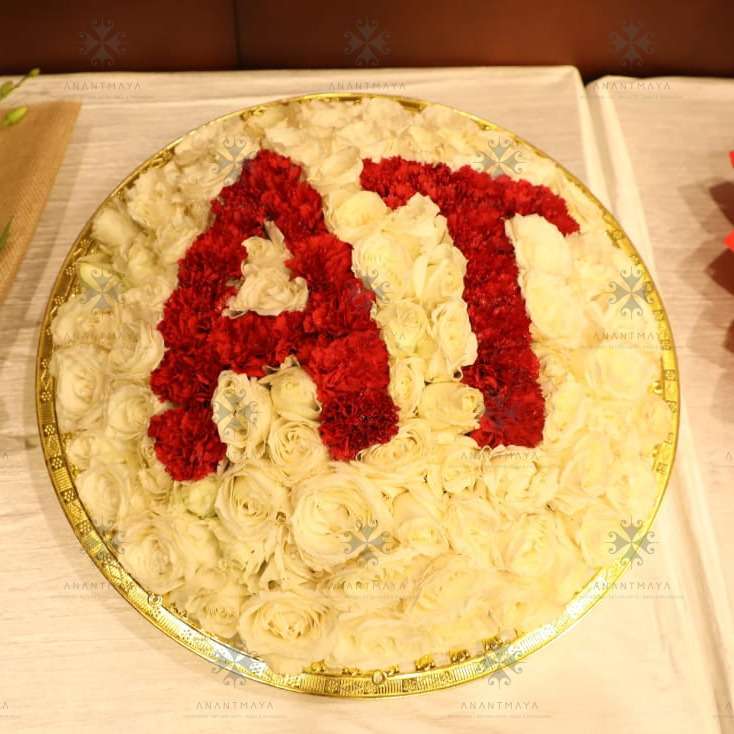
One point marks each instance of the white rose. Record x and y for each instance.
(557, 313)
(406, 454)
(419, 226)
(380, 260)
(633, 489)
(457, 344)
(139, 263)
(251, 505)
(406, 384)
(266, 252)
(539, 245)
(197, 540)
(242, 411)
(150, 200)
(88, 445)
(417, 527)
(567, 409)
(128, 411)
(287, 629)
(451, 406)
(173, 239)
(456, 466)
(477, 623)
(138, 346)
(473, 528)
(331, 514)
(444, 589)
(358, 216)
(452, 128)
(374, 641)
(531, 544)
(337, 170)
(286, 568)
(151, 295)
(623, 374)
(595, 531)
(508, 475)
(439, 276)
(588, 464)
(356, 587)
(404, 325)
(104, 490)
(155, 483)
(81, 385)
(114, 228)
(78, 320)
(215, 602)
(198, 497)
(153, 554)
(293, 394)
(296, 448)
(269, 290)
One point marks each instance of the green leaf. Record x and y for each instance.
(34, 72)
(14, 116)
(5, 234)
(6, 88)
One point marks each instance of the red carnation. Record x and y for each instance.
(186, 442)
(356, 420)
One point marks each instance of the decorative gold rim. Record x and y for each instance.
(376, 684)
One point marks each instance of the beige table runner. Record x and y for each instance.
(30, 155)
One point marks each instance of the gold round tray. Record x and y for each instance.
(429, 676)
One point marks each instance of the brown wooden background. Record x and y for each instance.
(641, 39)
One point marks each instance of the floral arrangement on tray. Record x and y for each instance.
(346, 384)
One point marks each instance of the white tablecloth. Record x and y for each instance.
(654, 656)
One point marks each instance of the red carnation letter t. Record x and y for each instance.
(335, 339)
(476, 207)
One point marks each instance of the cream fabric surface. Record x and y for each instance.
(650, 657)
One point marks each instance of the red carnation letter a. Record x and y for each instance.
(335, 339)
